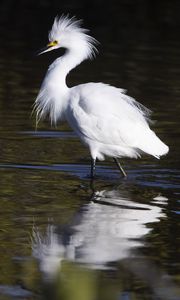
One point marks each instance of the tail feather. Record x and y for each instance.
(152, 145)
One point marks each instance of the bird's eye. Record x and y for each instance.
(55, 42)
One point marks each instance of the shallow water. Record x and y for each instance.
(61, 238)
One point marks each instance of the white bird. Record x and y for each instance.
(107, 120)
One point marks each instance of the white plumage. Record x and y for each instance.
(107, 120)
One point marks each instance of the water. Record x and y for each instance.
(59, 237)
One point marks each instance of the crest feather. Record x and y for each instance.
(65, 24)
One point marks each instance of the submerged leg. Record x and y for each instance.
(93, 167)
(119, 167)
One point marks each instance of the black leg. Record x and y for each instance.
(93, 167)
(119, 167)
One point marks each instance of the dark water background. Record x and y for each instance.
(58, 238)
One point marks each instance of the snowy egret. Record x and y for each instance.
(107, 120)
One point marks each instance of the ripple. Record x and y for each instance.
(14, 291)
(164, 178)
(50, 134)
(80, 170)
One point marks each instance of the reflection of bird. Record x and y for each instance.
(108, 121)
(101, 237)
(105, 230)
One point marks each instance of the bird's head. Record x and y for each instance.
(67, 33)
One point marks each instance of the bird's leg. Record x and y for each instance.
(93, 168)
(120, 167)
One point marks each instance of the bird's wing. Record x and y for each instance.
(107, 115)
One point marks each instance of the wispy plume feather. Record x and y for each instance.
(65, 25)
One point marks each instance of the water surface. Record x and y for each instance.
(60, 238)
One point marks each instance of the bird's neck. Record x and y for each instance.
(54, 94)
(60, 68)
